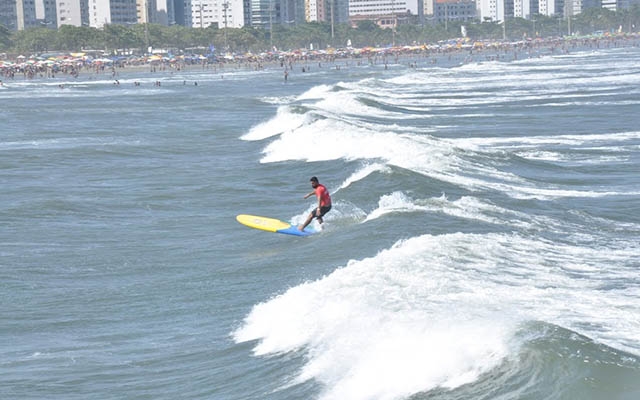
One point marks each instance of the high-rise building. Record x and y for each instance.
(265, 13)
(498, 10)
(491, 10)
(46, 13)
(382, 7)
(21, 14)
(589, 4)
(121, 12)
(246, 9)
(428, 6)
(534, 7)
(8, 14)
(314, 10)
(221, 13)
(182, 12)
(73, 12)
(551, 7)
(626, 4)
(458, 10)
(521, 9)
(509, 8)
(337, 11)
(160, 12)
(292, 12)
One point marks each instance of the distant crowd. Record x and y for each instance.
(464, 50)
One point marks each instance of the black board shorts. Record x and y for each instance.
(323, 211)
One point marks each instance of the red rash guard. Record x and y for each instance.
(323, 195)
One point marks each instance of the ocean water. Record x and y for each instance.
(484, 240)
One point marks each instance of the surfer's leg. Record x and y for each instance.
(322, 212)
(307, 222)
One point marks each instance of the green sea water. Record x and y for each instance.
(483, 242)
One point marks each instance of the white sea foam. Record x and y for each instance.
(393, 203)
(348, 103)
(553, 149)
(409, 319)
(473, 208)
(465, 207)
(433, 157)
(284, 121)
(65, 143)
(472, 80)
(281, 100)
(363, 172)
(316, 92)
(371, 333)
(340, 127)
(576, 159)
(438, 311)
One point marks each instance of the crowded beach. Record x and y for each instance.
(446, 53)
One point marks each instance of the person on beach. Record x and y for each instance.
(324, 202)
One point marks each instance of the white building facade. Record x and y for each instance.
(224, 13)
(382, 7)
(99, 13)
(103, 12)
(522, 8)
(69, 12)
(492, 10)
(314, 10)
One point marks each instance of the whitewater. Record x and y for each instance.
(483, 241)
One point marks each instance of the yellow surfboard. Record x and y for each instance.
(272, 225)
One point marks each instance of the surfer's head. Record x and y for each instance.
(314, 181)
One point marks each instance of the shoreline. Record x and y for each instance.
(411, 57)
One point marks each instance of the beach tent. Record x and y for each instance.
(103, 61)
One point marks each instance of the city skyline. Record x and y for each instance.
(23, 14)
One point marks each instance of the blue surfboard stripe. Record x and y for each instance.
(293, 230)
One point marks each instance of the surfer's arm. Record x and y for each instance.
(306, 196)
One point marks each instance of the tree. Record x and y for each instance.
(367, 26)
(121, 37)
(74, 38)
(595, 19)
(5, 38)
(408, 34)
(245, 39)
(34, 40)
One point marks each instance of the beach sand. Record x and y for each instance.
(426, 57)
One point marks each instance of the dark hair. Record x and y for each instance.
(313, 179)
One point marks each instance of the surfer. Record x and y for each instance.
(324, 202)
